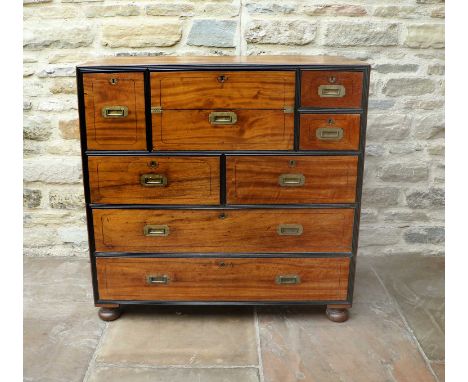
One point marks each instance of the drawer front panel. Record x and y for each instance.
(154, 180)
(291, 179)
(228, 279)
(228, 231)
(329, 88)
(330, 131)
(245, 130)
(221, 90)
(115, 111)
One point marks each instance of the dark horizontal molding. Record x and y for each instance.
(219, 207)
(324, 110)
(227, 303)
(217, 255)
(219, 153)
(251, 67)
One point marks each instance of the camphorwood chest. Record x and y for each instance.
(223, 180)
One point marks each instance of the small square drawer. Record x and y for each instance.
(330, 131)
(115, 111)
(331, 89)
(154, 180)
(291, 179)
(223, 279)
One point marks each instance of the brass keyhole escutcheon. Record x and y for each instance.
(153, 164)
(113, 81)
(222, 216)
(332, 79)
(292, 163)
(222, 264)
(331, 121)
(222, 78)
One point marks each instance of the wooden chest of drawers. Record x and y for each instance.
(223, 180)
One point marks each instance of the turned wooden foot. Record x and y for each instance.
(109, 314)
(337, 314)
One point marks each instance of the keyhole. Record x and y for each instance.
(222, 264)
(332, 79)
(222, 216)
(153, 164)
(292, 163)
(331, 121)
(113, 81)
(222, 78)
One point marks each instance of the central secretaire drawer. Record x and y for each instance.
(229, 231)
(223, 279)
(212, 110)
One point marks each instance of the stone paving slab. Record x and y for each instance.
(374, 345)
(142, 374)
(417, 285)
(192, 336)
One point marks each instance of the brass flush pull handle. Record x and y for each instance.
(157, 279)
(288, 279)
(329, 133)
(153, 180)
(291, 180)
(290, 230)
(156, 230)
(331, 91)
(222, 118)
(115, 111)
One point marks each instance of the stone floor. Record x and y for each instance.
(395, 332)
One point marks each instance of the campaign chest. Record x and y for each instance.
(223, 180)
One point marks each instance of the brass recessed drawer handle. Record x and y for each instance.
(290, 230)
(288, 279)
(157, 279)
(222, 118)
(291, 180)
(115, 111)
(329, 133)
(331, 91)
(153, 180)
(156, 230)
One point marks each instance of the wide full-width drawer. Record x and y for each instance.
(223, 90)
(228, 231)
(223, 279)
(331, 89)
(330, 131)
(154, 180)
(235, 129)
(115, 111)
(291, 179)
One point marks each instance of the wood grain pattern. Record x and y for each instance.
(222, 279)
(350, 123)
(190, 180)
(127, 133)
(255, 179)
(217, 60)
(254, 130)
(231, 231)
(238, 90)
(312, 79)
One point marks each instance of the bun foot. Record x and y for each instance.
(337, 314)
(109, 314)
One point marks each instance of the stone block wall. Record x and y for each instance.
(403, 202)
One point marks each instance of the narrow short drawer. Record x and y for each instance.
(228, 129)
(301, 230)
(115, 111)
(291, 179)
(154, 180)
(331, 89)
(223, 279)
(330, 131)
